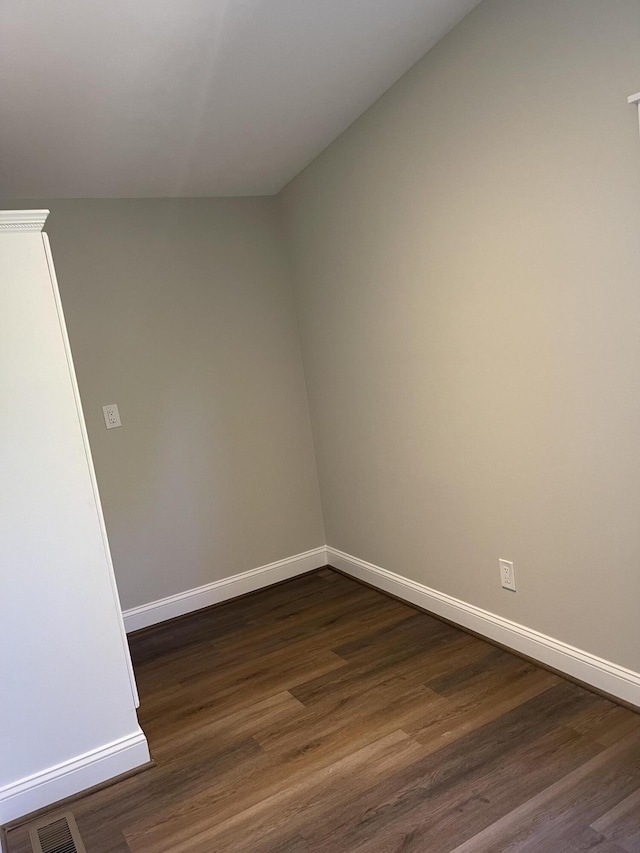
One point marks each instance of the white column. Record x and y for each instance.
(67, 701)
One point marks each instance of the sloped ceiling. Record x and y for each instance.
(192, 97)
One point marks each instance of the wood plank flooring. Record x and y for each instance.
(320, 715)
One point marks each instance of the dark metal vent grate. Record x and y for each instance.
(56, 836)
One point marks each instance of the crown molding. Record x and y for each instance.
(22, 220)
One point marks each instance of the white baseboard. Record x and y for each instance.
(223, 590)
(55, 783)
(602, 674)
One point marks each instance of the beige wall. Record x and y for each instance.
(181, 313)
(467, 262)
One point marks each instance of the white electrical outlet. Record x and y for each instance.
(111, 416)
(507, 575)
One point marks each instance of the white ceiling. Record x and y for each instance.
(192, 97)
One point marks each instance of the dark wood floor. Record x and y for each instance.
(322, 716)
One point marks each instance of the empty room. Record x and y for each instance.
(320, 426)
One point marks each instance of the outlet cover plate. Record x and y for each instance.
(507, 575)
(111, 416)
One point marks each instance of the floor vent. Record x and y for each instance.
(56, 835)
